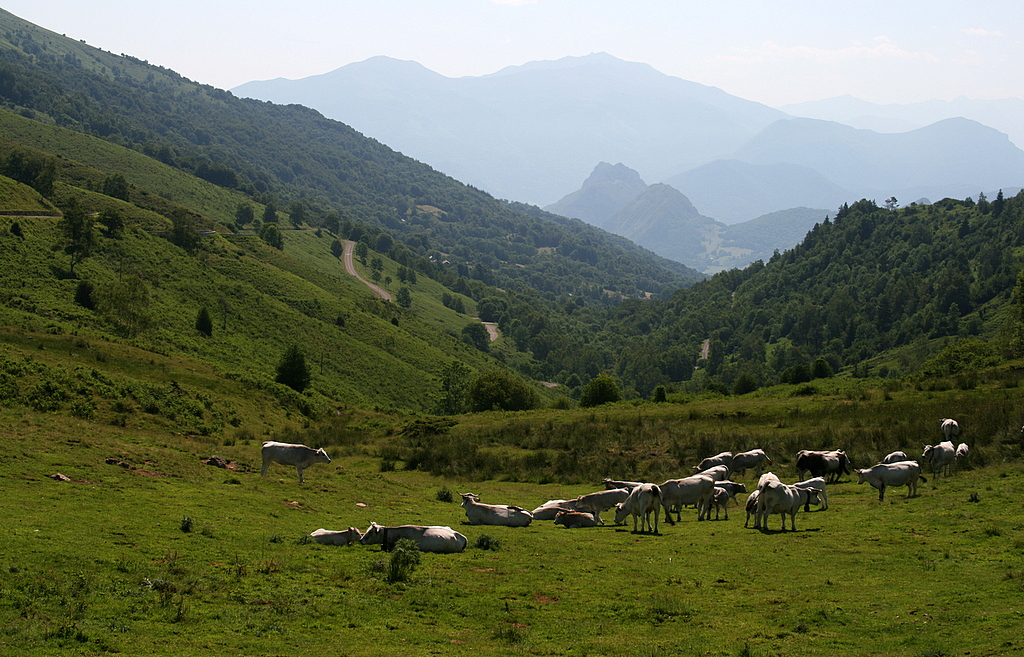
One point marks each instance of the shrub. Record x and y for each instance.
(292, 370)
(404, 559)
(186, 524)
(501, 390)
(444, 495)
(487, 542)
(602, 389)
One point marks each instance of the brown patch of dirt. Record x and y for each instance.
(544, 599)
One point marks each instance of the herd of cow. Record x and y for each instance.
(708, 489)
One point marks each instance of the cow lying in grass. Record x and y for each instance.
(444, 540)
(494, 514)
(342, 537)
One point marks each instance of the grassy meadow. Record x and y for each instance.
(146, 550)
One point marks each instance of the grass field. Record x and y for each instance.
(103, 564)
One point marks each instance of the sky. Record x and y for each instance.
(775, 52)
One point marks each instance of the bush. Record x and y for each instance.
(500, 390)
(404, 559)
(602, 389)
(487, 542)
(444, 495)
(292, 370)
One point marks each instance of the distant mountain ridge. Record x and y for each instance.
(662, 219)
(532, 132)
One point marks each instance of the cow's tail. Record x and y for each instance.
(921, 477)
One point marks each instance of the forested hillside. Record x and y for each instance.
(875, 290)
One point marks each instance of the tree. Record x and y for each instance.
(500, 390)
(185, 230)
(602, 389)
(126, 305)
(476, 334)
(297, 213)
(404, 297)
(337, 249)
(270, 213)
(244, 215)
(113, 222)
(292, 370)
(891, 203)
(203, 322)
(454, 384)
(272, 236)
(115, 186)
(362, 250)
(77, 237)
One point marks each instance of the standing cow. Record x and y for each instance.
(643, 500)
(939, 456)
(288, 454)
(950, 428)
(754, 459)
(883, 475)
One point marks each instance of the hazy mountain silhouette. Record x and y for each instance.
(1005, 114)
(532, 132)
(734, 191)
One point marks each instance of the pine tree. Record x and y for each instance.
(292, 370)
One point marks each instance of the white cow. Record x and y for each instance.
(614, 483)
(939, 456)
(817, 483)
(718, 472)
(883, 475)
(444, 540)
(754, 459)
(342, 537)
(751, 506)
(962, 450)
(776, 497)
(719, 501)
(722, 458)
(642, 501)
(550, 509)
(895, 457)
(950, 428)
(732, 487)
(698, 490)
(288, 454)
(494, 514)
(600, 501)
(571, 519)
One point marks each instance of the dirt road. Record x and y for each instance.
(350, 267)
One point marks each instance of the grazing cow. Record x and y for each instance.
(895, 457)
(724, 458)
(550, 509)
(751, 506)
(698, 490)
(883, 475)
(613, 483)
(494, 514)
(817, 483)
(642, 501)
(950, 428)
(572, 519)
(343, 537)
(443, 540)
(720, 500)
(939, 456)
(287, 454)
(732, 487)
(962, 450)
(602, 500)
(830, 464)
(776, 497)
(718, 472)
(754, 459)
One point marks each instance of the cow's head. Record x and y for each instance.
(321, 456)
(469, 498)
(374, 534)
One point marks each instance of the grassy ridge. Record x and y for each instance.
(932, 575)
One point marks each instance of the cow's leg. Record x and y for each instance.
(298, 469)
(263, 470)
(881, 492)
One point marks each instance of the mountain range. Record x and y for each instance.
(532, 132)
(661, 218)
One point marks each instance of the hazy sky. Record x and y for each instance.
(775, 52)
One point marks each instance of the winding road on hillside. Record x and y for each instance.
(350, 267)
